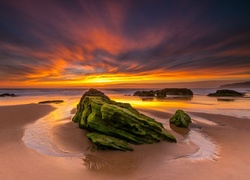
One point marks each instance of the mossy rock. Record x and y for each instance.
(99, 114)
(180, 119)
(108, 142)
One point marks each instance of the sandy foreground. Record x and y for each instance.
(157, 161)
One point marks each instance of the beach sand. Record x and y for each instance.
(157, 161)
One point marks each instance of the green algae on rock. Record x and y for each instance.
(180, 119)
(97, 113)
(108, 142)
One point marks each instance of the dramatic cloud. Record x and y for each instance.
(84, 42)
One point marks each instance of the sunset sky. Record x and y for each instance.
(123, 43)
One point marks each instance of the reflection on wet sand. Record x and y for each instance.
(92, 162)
(147, 98)
(167, 98)
(182, 131)
(144, 157)
(225, 99)
(181, 98)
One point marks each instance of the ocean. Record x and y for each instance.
(200, 102)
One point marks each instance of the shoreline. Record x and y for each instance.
(231, 134)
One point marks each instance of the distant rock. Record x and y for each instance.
(7, 95)
(165, 92)
(180, 119)
(237, 85)
(144, 93)
(174, 91)
(226, 93)
(113, 124)
(51, 101)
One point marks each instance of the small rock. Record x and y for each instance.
(180, 119)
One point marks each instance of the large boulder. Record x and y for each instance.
(115, 120)
(226, 93)
(180, 119)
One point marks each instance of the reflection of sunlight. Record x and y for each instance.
(238, 108)
(154, 104)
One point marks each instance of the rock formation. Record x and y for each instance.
(226, 93)
(180, 119)
(7, 95)
(113, 124)
(165, 92)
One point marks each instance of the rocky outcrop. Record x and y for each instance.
(165, 92)
(144, 93)
(118, 122)
(174, 91)
(226, 93)
(7, 95)
(180, 119)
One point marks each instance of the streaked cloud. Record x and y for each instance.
(77, 43)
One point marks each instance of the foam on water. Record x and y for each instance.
(207, 148)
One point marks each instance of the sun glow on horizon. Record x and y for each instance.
(152, 79)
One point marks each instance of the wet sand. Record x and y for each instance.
(157, 161)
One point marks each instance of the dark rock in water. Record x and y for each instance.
(174, 91)
(51, 101)
(226, 92)
(144, 93)
(127, 94)
(165, 92)
(225, 99)
(7, 95)
(115, 120)
(180, 119)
